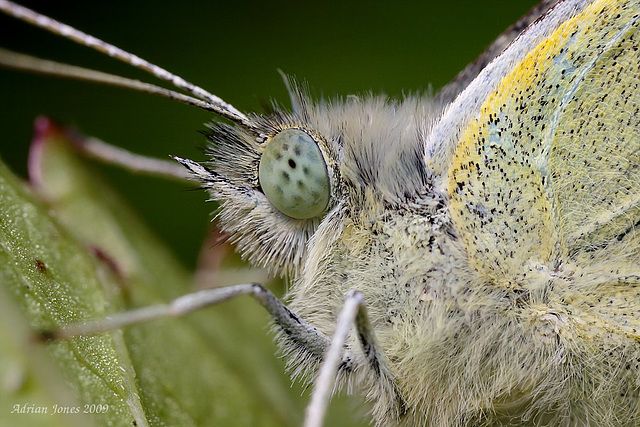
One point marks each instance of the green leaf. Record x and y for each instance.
(81, 255)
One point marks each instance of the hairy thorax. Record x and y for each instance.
(447, 333)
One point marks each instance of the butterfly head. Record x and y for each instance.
(327, 162)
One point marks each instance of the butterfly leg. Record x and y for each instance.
(302, 333)
(353, 313)
(110, 154)
(296, 329)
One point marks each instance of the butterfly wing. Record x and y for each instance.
(548, 175)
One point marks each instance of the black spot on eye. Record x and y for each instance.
(285, 176)
(292, 163)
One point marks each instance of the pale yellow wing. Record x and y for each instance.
(550, 170)
(548, 176)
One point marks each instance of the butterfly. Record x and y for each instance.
(484, 239)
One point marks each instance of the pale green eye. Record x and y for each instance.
(293, 175)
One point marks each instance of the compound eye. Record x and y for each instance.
(293, 174)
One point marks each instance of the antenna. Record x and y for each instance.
(213, 102)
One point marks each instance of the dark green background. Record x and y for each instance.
(233, 49)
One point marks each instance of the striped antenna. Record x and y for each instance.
(213, 103)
